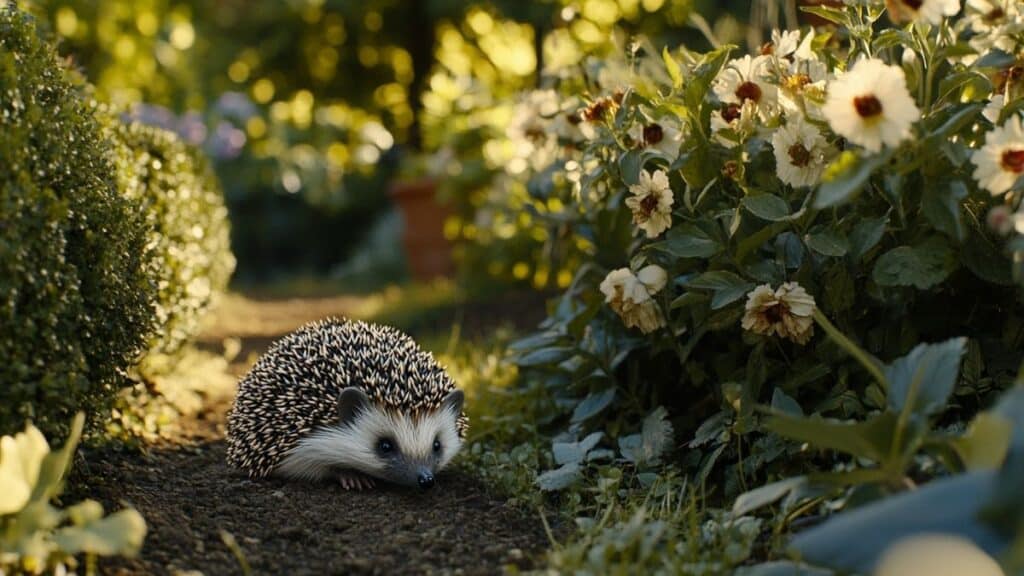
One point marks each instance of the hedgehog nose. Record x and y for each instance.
(426, 480)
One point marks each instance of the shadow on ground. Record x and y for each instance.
(191, 498)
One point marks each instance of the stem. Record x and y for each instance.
(865, 359)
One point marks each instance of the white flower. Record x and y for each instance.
(746, 80)
(665, 136)
(870, 105)
(740, 119)
(787, 312)
(801, 153)
(1000, 162)
(993, 15)
(630, 295)
(936, 555)
(651, 203)
(931, 11)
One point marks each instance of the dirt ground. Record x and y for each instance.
(195, 505)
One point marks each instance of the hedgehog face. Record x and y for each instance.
(406, 449)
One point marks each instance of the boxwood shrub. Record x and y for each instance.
(190, 235)
(76, 291)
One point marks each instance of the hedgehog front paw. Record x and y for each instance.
(350, 480)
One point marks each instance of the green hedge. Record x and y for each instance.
(76, 295)
(190, 234)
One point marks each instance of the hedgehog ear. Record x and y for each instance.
(351, 402)
(453, 402)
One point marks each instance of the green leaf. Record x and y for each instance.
(120, 533)
(854, 541)
(688, 241)
(559, 478)
(922, 266)
(785, 404)
(545, 357)
(630, 165)
(566, 452)
(986, 261)
(922, 380)
(828, 243)
(768, 494)
(726, 286)
(767, 207)
(56, 465)
(593, 404)
(845, 178)
(985, 444)
(866, 234)
(673, 68)
(703, 74)
(648, 446)
(941, 206)
(870, 439)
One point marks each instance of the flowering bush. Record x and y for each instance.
(862, 176)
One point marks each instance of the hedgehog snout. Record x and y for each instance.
(425, 479)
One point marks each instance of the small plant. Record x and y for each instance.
(37, 537)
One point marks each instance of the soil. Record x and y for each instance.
(194, 504)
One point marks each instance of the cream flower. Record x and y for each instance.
(630, 295)
(870, 105)
(651, 203)
(746, 80)
(931, 11)
(665, 136)
(801, 153)
(936, 555)
(787, 312)
(1000, 162)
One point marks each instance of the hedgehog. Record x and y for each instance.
(349, 401)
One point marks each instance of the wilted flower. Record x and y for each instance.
(651, 203)
(787, 312)
(1000, 162)
(630, 295)
(801, 153)
(870, 105)
(931, 11)
(936, 555)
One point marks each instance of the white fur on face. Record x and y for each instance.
(353, 446)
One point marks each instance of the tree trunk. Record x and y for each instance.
(421, 48)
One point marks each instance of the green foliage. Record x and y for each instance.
(189, 231)
(35, 536)
(76, 292)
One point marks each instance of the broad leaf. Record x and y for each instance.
(922, 266)
(545, 356)
(648, 446)
(985, 444)
(120, 533)
(566, 452)
(845, 178)
(941, 206)
(828, 243)
(726, 286)
(688, 241)
(593, 405)
(925, 377)
(767, 207)
(768, 494)
(870, 439)
(559, 478)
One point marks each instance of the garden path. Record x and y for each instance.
(204, 516)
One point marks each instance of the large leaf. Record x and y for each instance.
(922, 266)
(866, 234)
(845, 178)
(767, 207)
(559, 478)
(593, 404)
(985, 444)
(765, 495)
(941, 206)
(648, 446)
(854, 541)
(566, 452)
(923, 380)
(828, 243)
(726, 286)
(688, 241)
(120, 533)
(545, 356)
(870, 439)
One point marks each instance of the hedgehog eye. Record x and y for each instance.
(437, 446)
(385, 446)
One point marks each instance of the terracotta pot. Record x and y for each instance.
(428, 252)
